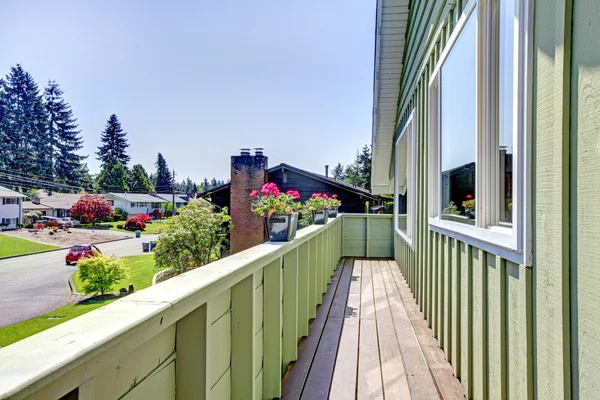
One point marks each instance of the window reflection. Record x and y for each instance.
(402, 183)
(458, 127)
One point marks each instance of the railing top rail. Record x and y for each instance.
(364, 215)
(113, 330)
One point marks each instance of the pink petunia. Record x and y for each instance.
(325, 196)
(334, 196)
(294, 194)
(253, 193)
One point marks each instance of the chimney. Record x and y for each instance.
(327, 171)
(248, 172)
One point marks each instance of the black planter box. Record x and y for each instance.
(321, 217)
(282, 228)
(333, 212)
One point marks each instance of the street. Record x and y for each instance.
(37, 284)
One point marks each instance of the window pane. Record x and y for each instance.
(505, 125)
(458, 127)
(402, 182)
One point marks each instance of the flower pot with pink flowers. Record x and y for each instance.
(333, 205)
(280, 211)
(318, 204)
(469, 205)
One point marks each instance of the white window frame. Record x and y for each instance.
(512, 243)
(410, 131)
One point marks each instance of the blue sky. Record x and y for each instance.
(197, 80)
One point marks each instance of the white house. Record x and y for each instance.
(11, 208)
(135, 203)
(180, 199)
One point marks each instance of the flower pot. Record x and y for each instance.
(333, 212)
(469, 213)
(321, 217)
(282, 228)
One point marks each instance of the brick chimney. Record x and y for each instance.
(248, 172)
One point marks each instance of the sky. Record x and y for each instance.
(198, 80)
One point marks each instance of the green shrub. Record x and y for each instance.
(120, 226)
(100, 273)
(50, 232)
(117, 211)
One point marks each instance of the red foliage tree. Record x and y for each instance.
(135, 223)
(91, 208)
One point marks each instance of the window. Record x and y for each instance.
(404, 196)
(479, 105)
(9, 200)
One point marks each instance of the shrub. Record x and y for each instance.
(145, 217)
(157, 214)
(118, 211)
(193, 238)
(120, 226)
(54, 229)
(100, 273)
(135, 223)
(28, 226)
(92, 208)
(50, 232)
(124, 216)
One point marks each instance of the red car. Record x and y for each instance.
(81, 250)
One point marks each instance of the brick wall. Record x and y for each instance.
(247, 173)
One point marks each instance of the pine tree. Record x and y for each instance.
(194, 188)
(364, 167)
(205, 185)
(213, 183)
(352, 172)
(112, 177)
(27, 147)
(338, 172)
(163, 175)
(114, 142)
(139, 180)
(4, 138)
(66, 139)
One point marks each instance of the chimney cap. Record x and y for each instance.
(245, 151)
(259, 151)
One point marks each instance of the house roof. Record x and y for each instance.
(28, 205)
(62, 201)
(323, 178)
(169, 196)
(391, 23)
(135, 197)
(6, 192)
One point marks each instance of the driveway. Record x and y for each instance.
(37, 284)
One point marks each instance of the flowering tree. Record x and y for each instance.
(273, 202)
(92, 208)
(193, 238)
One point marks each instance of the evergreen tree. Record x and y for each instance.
(194, 188)
(114, 142)
(163, 175)
(26, 146)
(338, 172)
(352, 172)
(66, 139)
(364, 167)
(139, 180)
(205, 185)
(112, 177)
(189, 186)
(214, 183)
(4, 138)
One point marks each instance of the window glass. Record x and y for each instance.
(458, 127)
(402, 182)
(505, 123)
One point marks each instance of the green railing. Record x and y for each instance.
(226, 330)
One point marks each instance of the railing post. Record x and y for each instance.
(323, 265)
(290, 308)
(272, 334)
(303, 292)
(313, 278)
(243, 372)
(192, 362)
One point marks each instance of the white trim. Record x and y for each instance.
(410, 131)
(514, 243)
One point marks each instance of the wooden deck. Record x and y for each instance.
(370, 341)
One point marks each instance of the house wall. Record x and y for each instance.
(11, 211)
(510, 331)
(126, 206)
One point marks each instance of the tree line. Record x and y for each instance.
(358, 173)
(40, 142)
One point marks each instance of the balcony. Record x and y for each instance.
(327, 315)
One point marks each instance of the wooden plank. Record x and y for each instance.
(320, 376)
(343, 384)
(290, 308)
(395, 384)
(191, 365)
(496, 328)
(272, 335)
(369, 367)
(447, 317)
(293, 383)
(479, 325)
(418, 377)
(440, 370)
(242, 339)
(303, 292)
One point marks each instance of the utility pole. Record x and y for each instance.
(173, 191)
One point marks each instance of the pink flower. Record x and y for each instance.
(334, 196)
(469, 197)
(270, 189)
(316, 195)
(294, 194)
(253, 193)
(325, 196)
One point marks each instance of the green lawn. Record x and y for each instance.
(13, 246)
(140, 270)
(153, 228)
(13, 333)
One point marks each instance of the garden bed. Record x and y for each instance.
(62, 238)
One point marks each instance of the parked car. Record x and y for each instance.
(72, 222)
(53, 222)
(81, 250)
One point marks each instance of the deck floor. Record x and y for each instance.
(369, 341)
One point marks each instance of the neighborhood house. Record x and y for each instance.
(11, 208)
(135, 203)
